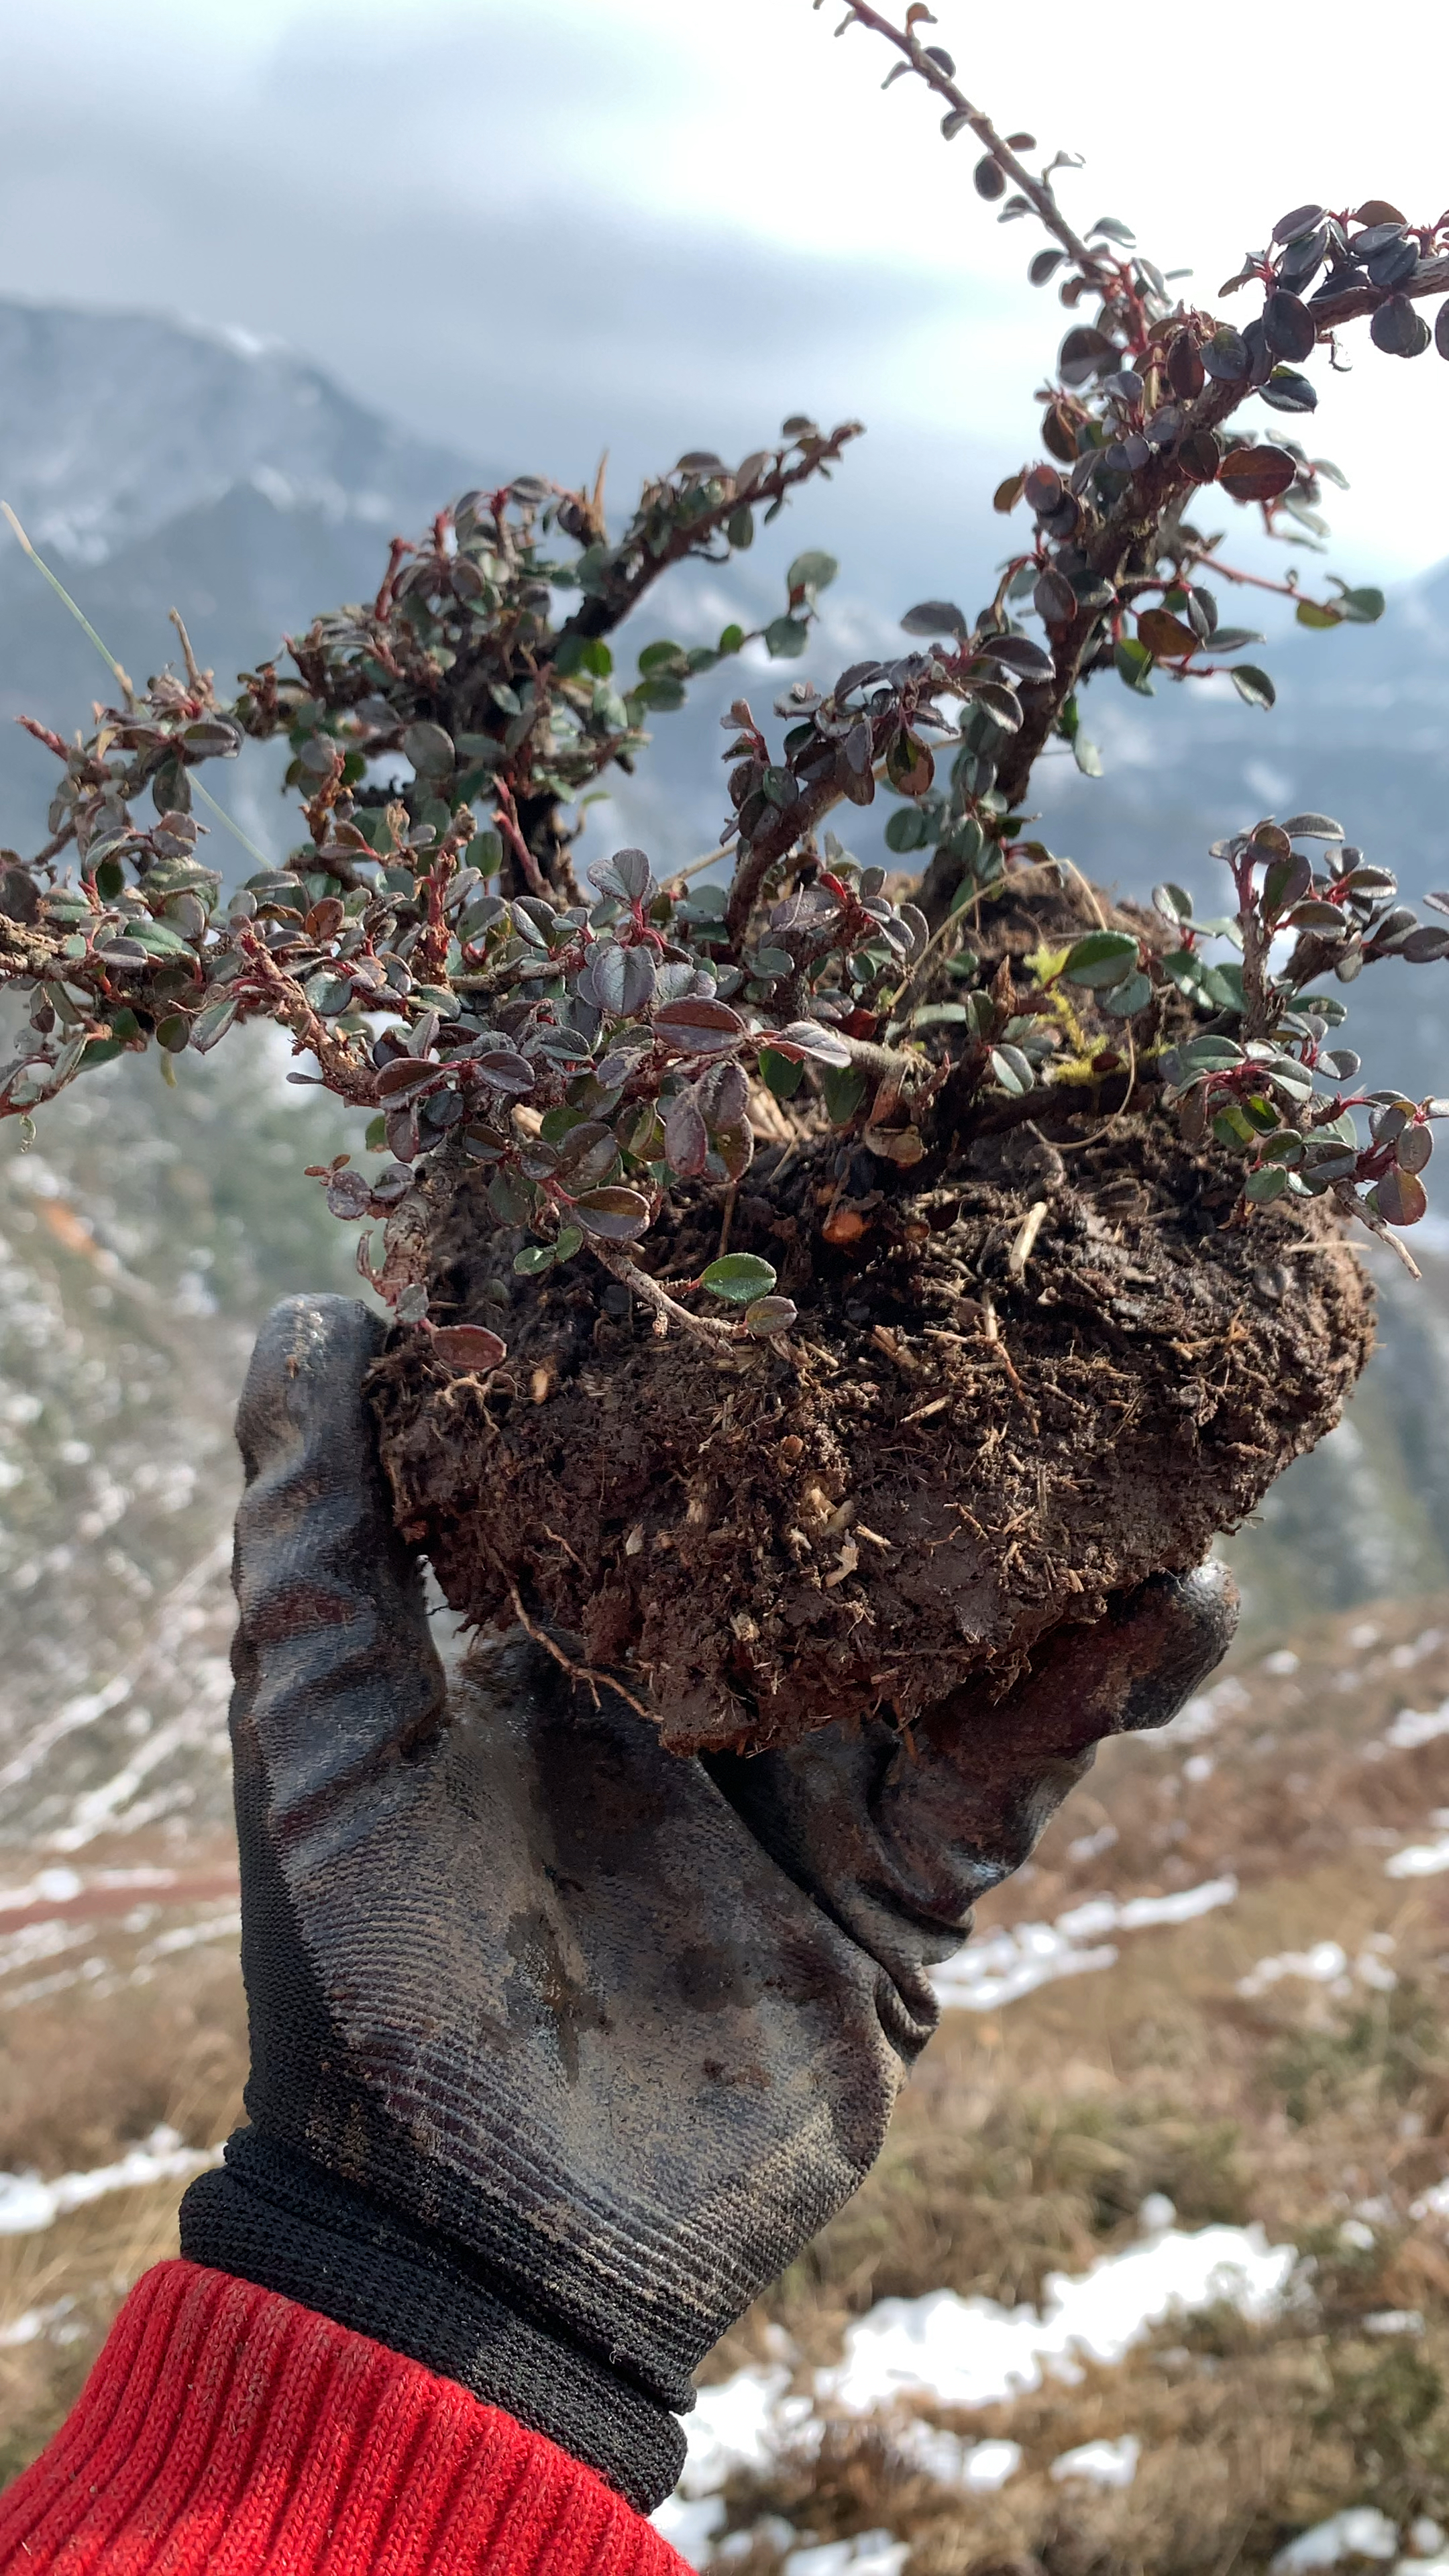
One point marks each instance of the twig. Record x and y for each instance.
(923, 1412)
(997, 1340)
(1352, 1205)
(629, 1273)
(626, 583)
(591, 1681)
(1431, 279)
(791, 1150)
(200, 680)
(505, 815)
(888, 1064)
(755, 858)
(710, 859)
(908, 43)
(112, 665)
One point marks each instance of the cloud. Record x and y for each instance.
(629, 221)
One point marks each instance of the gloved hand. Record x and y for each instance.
(562, 2047)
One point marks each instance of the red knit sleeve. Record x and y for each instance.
(227, 2430)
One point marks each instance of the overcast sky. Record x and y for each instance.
(538, 228)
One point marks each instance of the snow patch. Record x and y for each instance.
(1361, 2531)
(1010, 1963)
(952, 2351)
(870, 2553)
(953, 2461)
(973, 2352)
(1326, 1964)
(1101, 2464)
(1419, 1860)
(27, 2203)
(1415, 1726)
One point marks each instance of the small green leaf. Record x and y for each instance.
(1223, 987)
(1362, 607)
(485, 853)
(212, 1023)
(844, 1088)
(534, 1258)
(1125, 1000)
(1253, 686)
(1088, 758)
(1134, 665)
(1013, 1070)
(1232, 1126)
(781, 1074)
(739, 1277)
(1269, 1183)
(660, 656)
(810, 572)
(907, 830)
(786, 638)
(1100, 959)
(328, 994)
(1284, 1147)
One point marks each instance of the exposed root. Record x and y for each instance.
(588, 1680)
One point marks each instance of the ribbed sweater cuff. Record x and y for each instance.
(225, 2429)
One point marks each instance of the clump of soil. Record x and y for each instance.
(972, 1435)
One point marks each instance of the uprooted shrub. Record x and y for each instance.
(813, 1281)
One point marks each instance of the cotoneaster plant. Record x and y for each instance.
(811, 1282)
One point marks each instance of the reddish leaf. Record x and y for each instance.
(468, 1346)
(1401, 1197)
(807, 1037)
(1257, 473)
(909, 765)
(404, 1076)
(686, 1138)
(1165, 636)
(615, 1215)
(695, 1026)
(505, 1070)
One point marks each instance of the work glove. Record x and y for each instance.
(563, 2046)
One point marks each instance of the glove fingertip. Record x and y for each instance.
(306, 1374)
(1175, 1630)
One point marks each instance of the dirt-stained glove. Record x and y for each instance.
(563, 2047)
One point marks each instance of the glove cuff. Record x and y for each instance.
(270, 2217)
